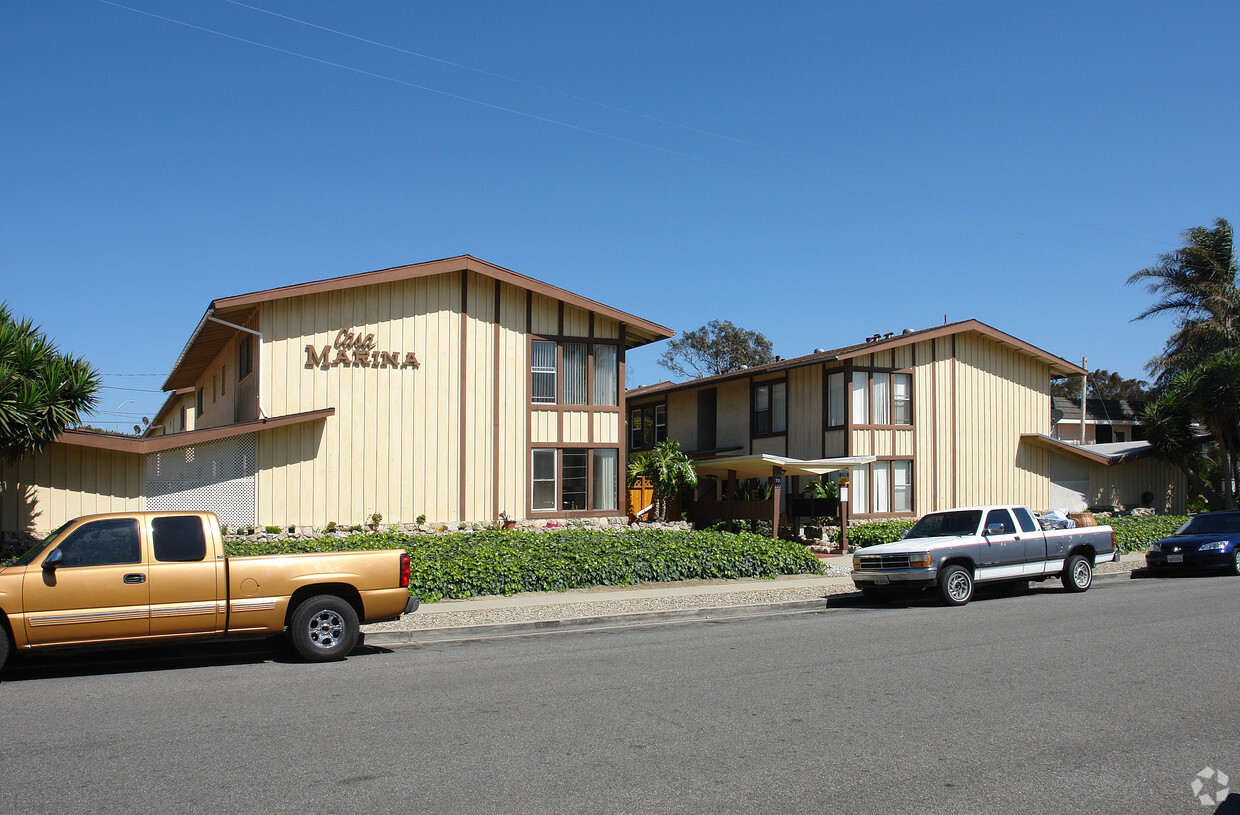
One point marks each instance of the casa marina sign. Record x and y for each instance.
(355, 350)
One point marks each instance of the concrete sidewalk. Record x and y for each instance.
(483, 617)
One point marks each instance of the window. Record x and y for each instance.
(859, 490)
(770, 408)
(223, 379)
(882, 487)
(859, 381)
(199, 407)
(245, 357)
(544, 484)
(880, 395)
(902, 400)
(574, 373)
(647, 426)
(901, 486)
(576, 480)
(179, 539)
(542, 368)
(102, 543)
(1026, 521)
(606, 478)
(606, 379)
(835, 399)
(565, 478)
(1000, 517)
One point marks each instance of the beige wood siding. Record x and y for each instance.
(732, 424)
(1123, 485)
(576, 322)
(576, 426)
(682, 419)
(513, 377)
(1001, 394)
(544, 316)
(64, 481)
(544, 427)
(606, 428)
(805, 412)
(606, 328)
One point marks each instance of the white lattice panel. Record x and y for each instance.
(217, 476)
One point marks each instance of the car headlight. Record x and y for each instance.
(1213, 546)
(856, 562)
(919, 560)
(1156, 547)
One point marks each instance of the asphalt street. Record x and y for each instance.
(1034, 702)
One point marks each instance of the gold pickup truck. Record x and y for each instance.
(153, 576)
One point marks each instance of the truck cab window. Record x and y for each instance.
(1026, 521)
(102, 543)
(178, 539)
(1000, 517)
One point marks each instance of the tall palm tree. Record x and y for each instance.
(1196, 283)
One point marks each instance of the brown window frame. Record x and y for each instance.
(769, 384)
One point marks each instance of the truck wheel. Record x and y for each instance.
(1078, 574)
(324, 628)
(956, 586)
(1235, 561)
(5, 647)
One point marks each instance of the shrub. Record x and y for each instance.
(272, 530)
(1135, 534)
(461, 565)
(872, 533)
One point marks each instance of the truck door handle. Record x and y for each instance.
(135, 578)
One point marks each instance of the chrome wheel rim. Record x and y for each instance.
(1081, 574)
(326, 629)
(958, 586)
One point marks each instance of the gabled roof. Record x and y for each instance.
(1058, 366)
(210, 337)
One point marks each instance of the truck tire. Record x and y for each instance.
(1078, 574)
(1235, 561)
(324, 628)
(956, 586)
(6, 645)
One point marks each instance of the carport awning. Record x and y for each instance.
(763, 465)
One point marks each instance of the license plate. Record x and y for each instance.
(1175, 558)
(881, 580)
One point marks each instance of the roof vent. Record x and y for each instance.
(907, 331)
(820, 350)
(744, 367)
(777, 357)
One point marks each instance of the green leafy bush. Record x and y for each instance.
(1135, 534)
(872, 533)
(463, 565)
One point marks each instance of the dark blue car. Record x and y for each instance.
(1207, 541)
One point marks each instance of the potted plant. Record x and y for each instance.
(506, 522)
(818, 490)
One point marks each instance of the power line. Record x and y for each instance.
(133, 390)
(605, 135)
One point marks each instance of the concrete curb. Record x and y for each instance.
(412, 638)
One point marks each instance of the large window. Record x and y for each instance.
(647, 426)
(878, 398)
(882, 488)
(102, 543)
(770, 408)
(245, 357)
(578, 363)
(575, 479)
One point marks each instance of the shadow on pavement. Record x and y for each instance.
(104, 661)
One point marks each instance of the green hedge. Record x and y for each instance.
(1132, 533)
(462, 565)
(1135, 534)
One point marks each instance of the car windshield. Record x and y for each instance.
(30, 553)
(1211, 524)
(941, 524)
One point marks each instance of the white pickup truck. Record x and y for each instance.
(955, 549)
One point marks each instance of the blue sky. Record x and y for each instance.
(816, 172)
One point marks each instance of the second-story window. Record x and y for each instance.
(647, 426)
(770, 408)
(574, 387)
(542, 367)
(199, 407)
(245, 357)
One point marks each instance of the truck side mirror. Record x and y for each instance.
(994, 529)
(55, 559)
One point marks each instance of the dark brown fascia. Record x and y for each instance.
(1058, 366)
(639, 330)
(154, 444)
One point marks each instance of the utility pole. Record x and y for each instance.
(1084, 380)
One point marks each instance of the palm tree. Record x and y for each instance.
(1197, 283)
(42, 392)
(667, 469)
